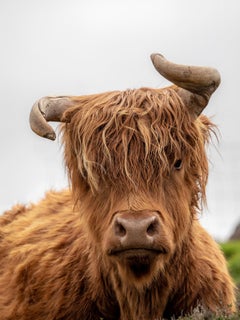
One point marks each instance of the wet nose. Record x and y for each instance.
(137, 230)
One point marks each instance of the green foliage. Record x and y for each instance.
(231, 250)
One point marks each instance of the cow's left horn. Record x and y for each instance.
(48, 109)
(195, 84)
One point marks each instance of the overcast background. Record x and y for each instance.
(57, 47)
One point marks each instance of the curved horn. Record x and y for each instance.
(48, 109)
(196, 84)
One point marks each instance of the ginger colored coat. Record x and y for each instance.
(125, 151)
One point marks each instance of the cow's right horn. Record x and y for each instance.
(48, 109)
(195, 85)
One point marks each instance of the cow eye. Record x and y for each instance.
(178, 164)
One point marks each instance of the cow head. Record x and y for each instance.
(137, 164)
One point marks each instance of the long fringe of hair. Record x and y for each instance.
(130, 140)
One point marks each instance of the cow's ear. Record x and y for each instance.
(195, 85)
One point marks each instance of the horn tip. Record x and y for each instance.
(50, 136)
(154, 55)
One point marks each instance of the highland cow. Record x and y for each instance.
(124, 242)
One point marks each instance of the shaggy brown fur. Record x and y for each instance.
(122, 151)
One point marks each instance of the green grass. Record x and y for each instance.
(231, 250)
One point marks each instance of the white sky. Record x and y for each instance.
(56, 47)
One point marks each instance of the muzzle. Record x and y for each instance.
(133, 232)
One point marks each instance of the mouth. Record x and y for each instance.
(139, 261)
(136, 252)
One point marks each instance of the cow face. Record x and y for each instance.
(134, 162)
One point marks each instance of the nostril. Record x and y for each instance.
(152, 228)
(119, 229)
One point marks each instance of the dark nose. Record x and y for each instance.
(136, 230)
